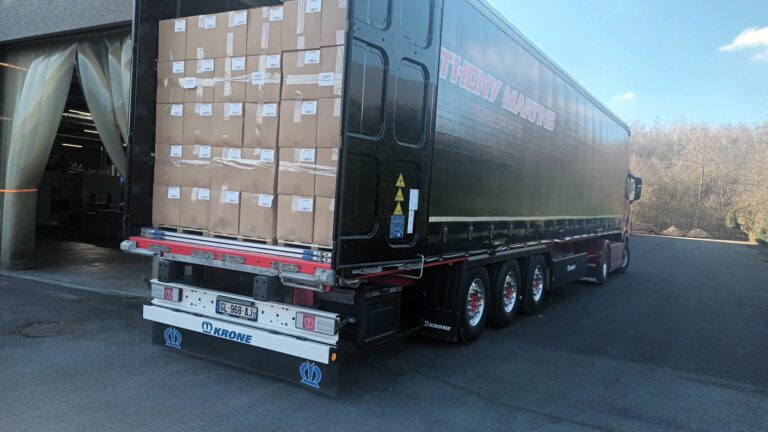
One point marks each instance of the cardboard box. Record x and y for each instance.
(260, 125)
(258, 215)
(195, 166)
(313, 73)
(227, 129)
(333, 29)
(166, 205)
(326, 166)
(298, 124)
(172, 40)
(219, 35)
(229, 85)
(265, 30)
(169, 123)
(264, 78)
(169, 75)
(194, 207)
(301, 24)
(214, 124)
(202, 36)
(295, 218)
(198, 123)
(297, 172)
(199, 80)
(329, 123)
(244, 169)
(167, 164)
(224, 212)
(323, 229)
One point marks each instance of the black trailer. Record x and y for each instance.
(474, 175)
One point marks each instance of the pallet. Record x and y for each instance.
(310, 246)
(241, 238)
(182, 230)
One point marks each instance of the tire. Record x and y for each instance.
(535, 285)
(474, 304)
(601, 275)
(625, 258)
(505, 294)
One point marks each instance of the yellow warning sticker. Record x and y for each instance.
(400, 181)
(399, 197)
(398, 210)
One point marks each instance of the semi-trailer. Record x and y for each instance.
(474, 175)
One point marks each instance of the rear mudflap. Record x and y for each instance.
(319, 377)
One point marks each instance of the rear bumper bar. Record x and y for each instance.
(303, 362)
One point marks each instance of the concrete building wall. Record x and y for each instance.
(23, 19)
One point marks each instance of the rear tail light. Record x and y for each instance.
(314, 323)
(166, 293)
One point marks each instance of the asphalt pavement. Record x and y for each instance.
(679, 342)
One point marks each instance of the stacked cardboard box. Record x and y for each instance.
(248, 121)
(313, 66)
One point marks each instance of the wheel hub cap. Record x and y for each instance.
(475, 302)
(510, 292)
(538, 283)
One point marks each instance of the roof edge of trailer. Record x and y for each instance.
(492, 13)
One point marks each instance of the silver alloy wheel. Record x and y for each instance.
(624, 258)
(538, 283)
(475, 302)
(605, 270)
(510, 292)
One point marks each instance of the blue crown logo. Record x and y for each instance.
(172, 338)
(310, 374)
(207, 327)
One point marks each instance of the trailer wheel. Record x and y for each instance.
(474, 304)
(536, 284)
(604, 268)
(505, 293)
(625, 257)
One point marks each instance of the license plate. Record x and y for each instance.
(237, 309)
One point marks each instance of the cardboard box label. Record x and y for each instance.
(314, 6)
(177, 110)
(337, 107)
(188, 83)
(266, 200)
(238, 18)
(332, 204)
(234, 153)
(326, 79)
(208, 22)
(234, 109)
(204, 110)
(267, 155)
(309, 107)
(306, 155)
(180, 25)
(203, 194)
(238, 63)
(177, 67)
(312, 57)
(257, 78)
(174, 192)
(204, 65)
(273, 61)
(276, 13)
(305, 205)
(269, 110)
(175, 151)
(204, 152)
(232, 197)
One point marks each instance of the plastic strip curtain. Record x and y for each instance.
(104, 67)
(36, 117)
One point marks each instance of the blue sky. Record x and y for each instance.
(658, 60)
